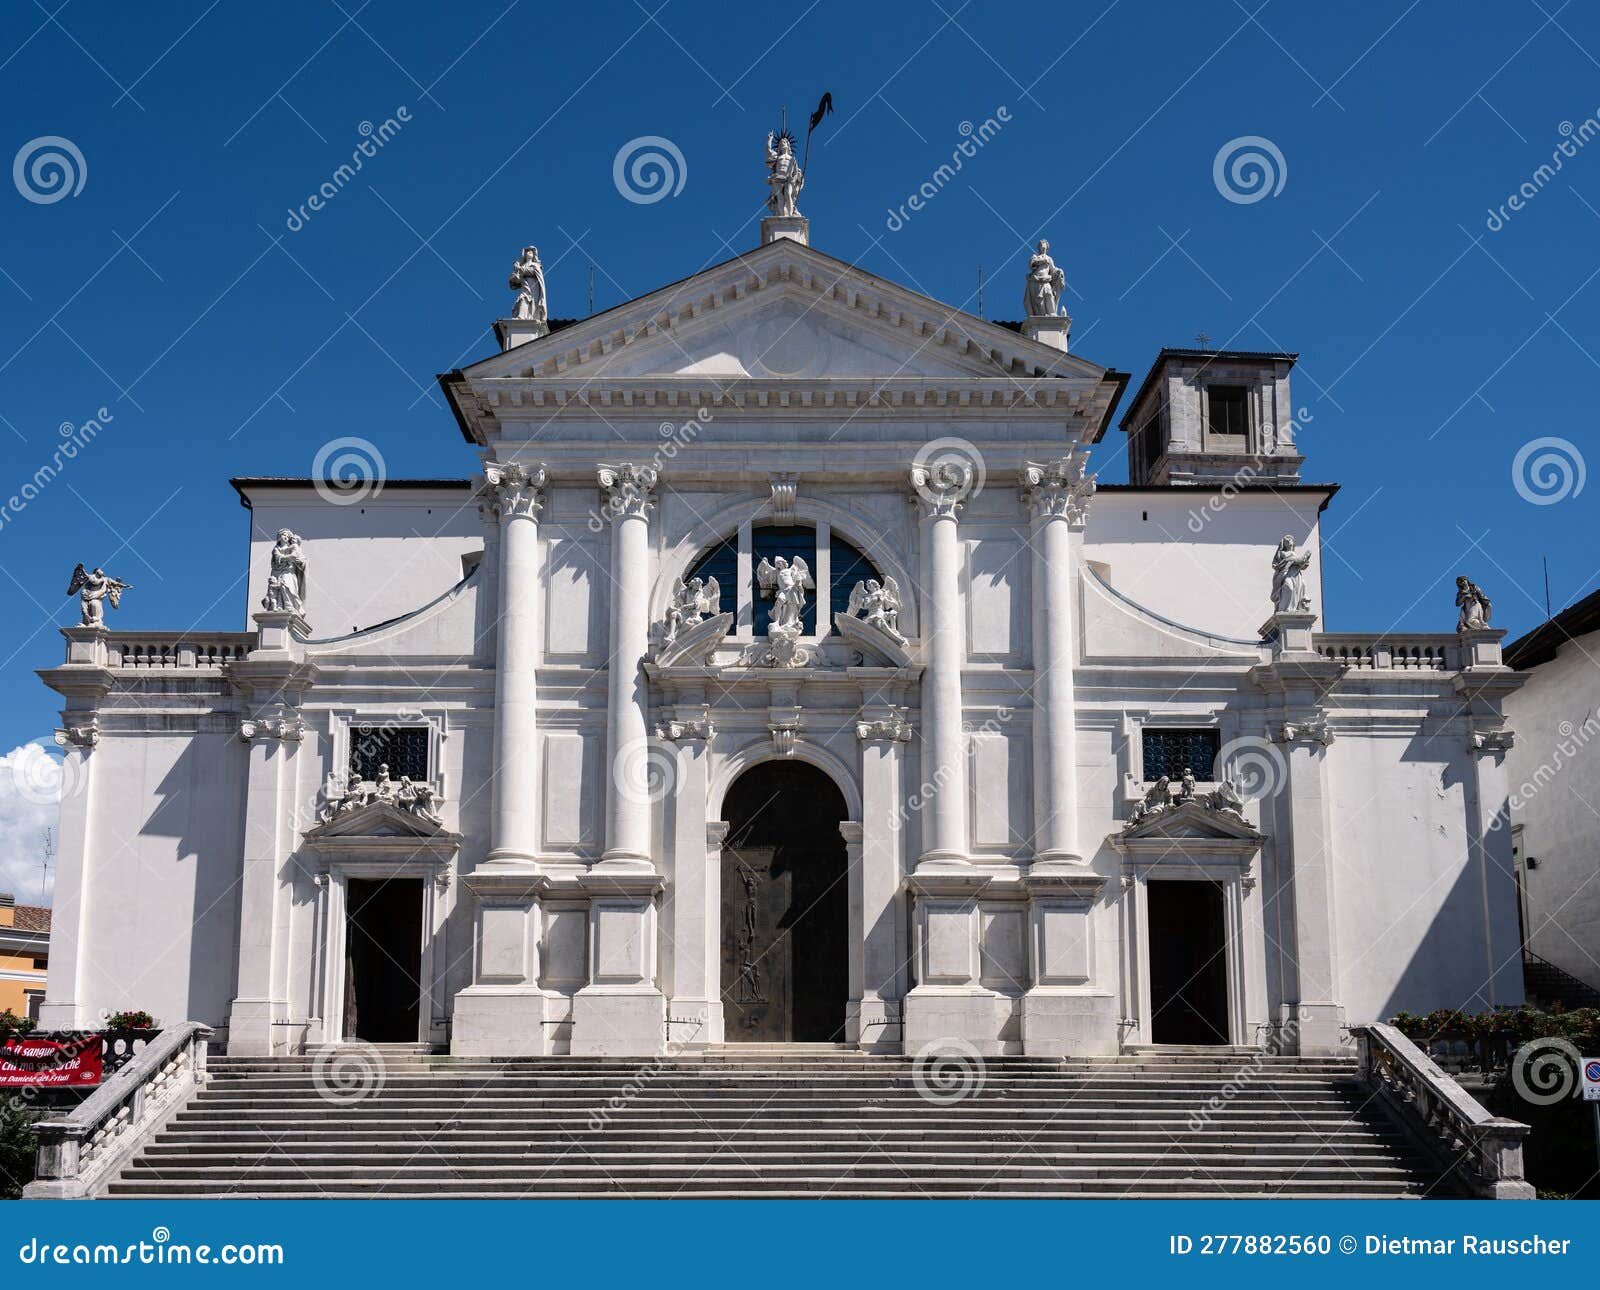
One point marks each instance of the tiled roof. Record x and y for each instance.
(32, 918)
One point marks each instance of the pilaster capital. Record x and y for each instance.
(699, 728)
(1490, 742)
(942, 485)
(892, 729)
(509, 490)
(629, 489)
(282, 724)
(1059, 489)
(85, 737)
(1313, 730)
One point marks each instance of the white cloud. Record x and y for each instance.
(31, 784)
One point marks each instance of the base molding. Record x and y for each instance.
(1069, 1024)
(618, 1021)
(499, 1021)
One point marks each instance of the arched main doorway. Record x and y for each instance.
(785, 907)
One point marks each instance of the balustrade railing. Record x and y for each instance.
(1482, 1151)
(153, 650)
(1438, 653)
(81, 1151)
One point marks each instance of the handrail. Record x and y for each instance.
(79, 1152)
(1485, 1149)
(1397, 651)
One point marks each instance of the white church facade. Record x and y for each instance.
(785, 674)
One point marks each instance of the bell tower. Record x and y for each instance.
(1213, 416)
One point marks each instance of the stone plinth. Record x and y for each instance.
(1048, 331)
(797, 228)
(519, 331)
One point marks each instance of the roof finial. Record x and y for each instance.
(1202, 340)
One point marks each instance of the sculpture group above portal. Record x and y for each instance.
(878, 605)
(785, 179)
(286, 578)
(1041, 295)
(1474, 605)
(1160, 798)
(692, 601)
(1289, 595)
(402, 794)
(93, 589)
(527, 280)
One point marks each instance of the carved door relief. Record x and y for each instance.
(785, 908)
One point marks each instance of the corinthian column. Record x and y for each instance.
(513, 494)
(1057, 494)
(629, 493)
(943, 487)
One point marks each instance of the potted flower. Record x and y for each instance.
(136, 1020)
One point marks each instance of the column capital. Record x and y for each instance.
(942, 486)
(892, 729)
(1059, 489)
(509, 489)
(629, 489)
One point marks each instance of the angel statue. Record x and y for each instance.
(1289, 593)
(691, 602)
(1041, 296)
(787, 584)
(786, 178)
(878, 604)
(93, 588)
(527, 280)
(286, 577)
(1475, 606)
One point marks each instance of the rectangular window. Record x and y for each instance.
(403, 749)
(1229, 411)
(1167, 752)
(35, 1002)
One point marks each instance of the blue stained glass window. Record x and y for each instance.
(1168, 752)
(849, 565)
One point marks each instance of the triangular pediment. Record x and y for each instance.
(376, 820)
(1189, 822)
(784, 312)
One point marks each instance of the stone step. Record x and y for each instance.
(1180, 1191)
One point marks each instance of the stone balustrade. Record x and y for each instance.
(1482, 1151)
(80, 1151)
(1422, 653)
(156, 650)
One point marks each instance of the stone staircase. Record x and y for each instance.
(1546, 985)
(775, 1122)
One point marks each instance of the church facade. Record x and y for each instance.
(785, 674)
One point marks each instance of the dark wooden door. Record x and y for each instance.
(383, 988)
(785, 908)
(1188, 963)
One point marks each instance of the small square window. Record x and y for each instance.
(1229, 410)
(403, 749)
(1168, 752)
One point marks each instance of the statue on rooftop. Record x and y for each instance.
(1289, 565)
(1041, 296)
(286, 577)
(93, 589)
(785, 178)
(527, 280)
(1475, 607)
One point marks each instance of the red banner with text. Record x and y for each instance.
(31, 1062)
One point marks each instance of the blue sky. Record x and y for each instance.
(171, 290)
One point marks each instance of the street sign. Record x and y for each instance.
(1591, 1079)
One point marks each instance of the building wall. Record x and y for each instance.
(1555, 785)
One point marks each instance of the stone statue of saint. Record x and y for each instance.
(1475, 606)
(785, 178)
(878, 604)
(1041, 296)
(286, 578)
(93, 589)
(787, 584)
(1288, 578)
(692, 601)
(527, 280)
